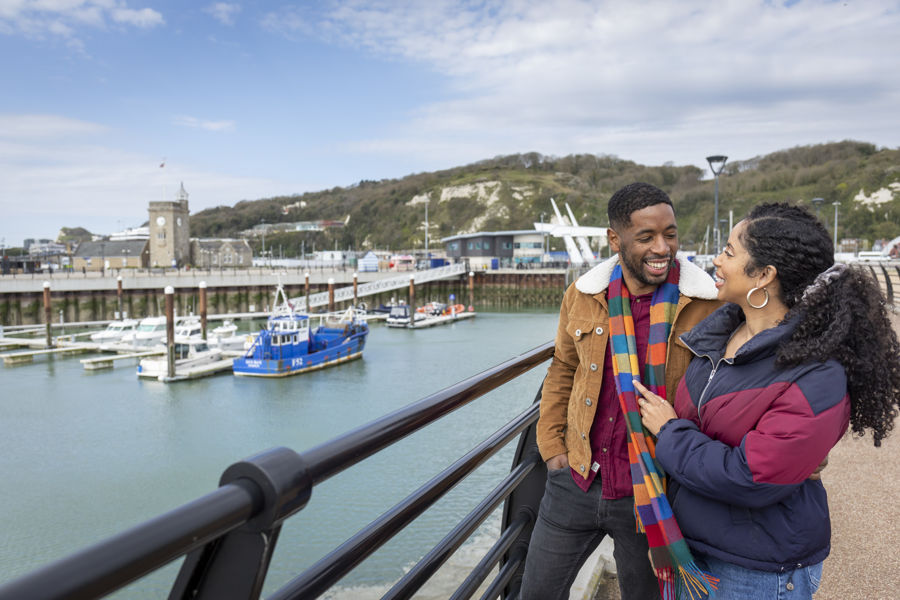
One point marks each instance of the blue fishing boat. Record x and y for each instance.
(288, 346)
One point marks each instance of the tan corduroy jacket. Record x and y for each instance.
(572, 386)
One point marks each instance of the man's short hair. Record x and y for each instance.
(632, 197)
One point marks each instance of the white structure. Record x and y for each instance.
(578, 253)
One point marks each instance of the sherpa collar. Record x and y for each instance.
(692, 281)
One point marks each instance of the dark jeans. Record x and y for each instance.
(570, 525)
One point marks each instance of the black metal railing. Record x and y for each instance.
(228, 536)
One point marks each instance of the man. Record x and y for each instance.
(581, 433)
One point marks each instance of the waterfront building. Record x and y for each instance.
(211, 253)
(111, 254)
(496, 249)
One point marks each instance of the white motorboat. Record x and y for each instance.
(115, 331)
(399, 316)
(225, 336)
(190, 352)
(149, 332)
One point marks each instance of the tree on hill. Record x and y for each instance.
(73, 234)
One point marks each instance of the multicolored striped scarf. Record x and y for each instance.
(679, 576)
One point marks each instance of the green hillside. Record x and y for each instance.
(511, 192)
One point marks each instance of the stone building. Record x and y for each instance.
(111, 254)
(170, 229)
(218, 253)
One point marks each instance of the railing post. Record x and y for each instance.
(235, 566)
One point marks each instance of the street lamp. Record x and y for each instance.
(836, 204)
(716, 164)
(817, 202)
(426, 227)
(543, 238)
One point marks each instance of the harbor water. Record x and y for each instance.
(85, 455)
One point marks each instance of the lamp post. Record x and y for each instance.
(543, 237)
(817, 202)
(716, 164)
(426, 227)
(836, 204)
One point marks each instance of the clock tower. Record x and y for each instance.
(170, 232)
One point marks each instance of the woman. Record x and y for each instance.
(802, 348)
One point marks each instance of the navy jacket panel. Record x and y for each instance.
(749, 436)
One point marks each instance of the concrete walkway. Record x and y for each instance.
(863, 484)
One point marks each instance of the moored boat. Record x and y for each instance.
(288, 345)
(115, 331)
(399, 317)
(190, 352)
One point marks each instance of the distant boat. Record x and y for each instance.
(433, 313)
(288, 346)
(399, 316)
(150, 331)
(115, 331)
(190, 352)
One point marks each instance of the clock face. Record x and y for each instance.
(160, 221)
(178, 221)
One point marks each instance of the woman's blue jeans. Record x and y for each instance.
(739, 583)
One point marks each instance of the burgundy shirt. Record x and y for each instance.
(608, 437)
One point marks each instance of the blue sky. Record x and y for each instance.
(246, 100)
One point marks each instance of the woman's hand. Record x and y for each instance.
(655, 412)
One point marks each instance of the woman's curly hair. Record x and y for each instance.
(845, 319)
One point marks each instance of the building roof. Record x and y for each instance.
(464, 236)
(109, 248)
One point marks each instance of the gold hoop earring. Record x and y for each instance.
(766, 301)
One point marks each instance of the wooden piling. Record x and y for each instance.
(119, 297)
(306, 290)
(48, 316)
(412, 300)
(170, 329)
(202, 286)
(331, 294)
(471, 290)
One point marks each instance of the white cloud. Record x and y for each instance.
(224, 12)
(580, 75)
(195, 123)
(25, 127)
(145, 17)
(64, 18)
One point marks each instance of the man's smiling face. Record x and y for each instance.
(646, 247)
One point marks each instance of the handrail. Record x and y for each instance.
(229, 535)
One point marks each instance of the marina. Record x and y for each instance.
(115, 450)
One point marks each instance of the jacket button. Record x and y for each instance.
(790, 585)
(581, 468)
(577, 333)
(593, 366)
(599, 331)
(587, 401)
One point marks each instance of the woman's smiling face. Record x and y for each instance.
(732, 280)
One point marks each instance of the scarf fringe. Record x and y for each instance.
(692, 583)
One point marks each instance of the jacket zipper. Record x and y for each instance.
(708, 382)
